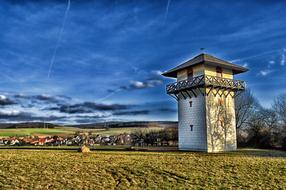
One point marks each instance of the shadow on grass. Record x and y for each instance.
(260, 152)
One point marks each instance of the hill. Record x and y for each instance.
(116, 124)
(110, 128)
(113, 124)
(27, 125)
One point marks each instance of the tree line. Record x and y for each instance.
(165, 137)
(258, 126)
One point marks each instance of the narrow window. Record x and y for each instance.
(190, 74)
(219, 72)
(191, 126)
(191, 103)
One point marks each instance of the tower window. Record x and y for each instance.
(191, 126)
(219, 72)
(190, 74)
(191, 103)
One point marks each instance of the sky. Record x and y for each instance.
(85, 61)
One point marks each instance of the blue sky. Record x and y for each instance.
(107, 56)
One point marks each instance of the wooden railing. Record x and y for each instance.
(205, 81)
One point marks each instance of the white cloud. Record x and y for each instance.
(157, 72)
(265, 72)
(146, 84)
(3, 97)
(138, 84)
(283, 58)
(245, 65)
(153, 83)
(270, 63)
(10, 112)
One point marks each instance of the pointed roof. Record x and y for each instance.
(208, 60)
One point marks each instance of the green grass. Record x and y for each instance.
(32, 131)
(66, 131)
(247, 169)
(65, 147)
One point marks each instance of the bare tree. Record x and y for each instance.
(263, 129)
(138, 138)
(280, 107)
(269, 117)
(263, 124)
(245, 106)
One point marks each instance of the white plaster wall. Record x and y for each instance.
(182, 75)
(222, 140)
(197, 71)
(195, 115)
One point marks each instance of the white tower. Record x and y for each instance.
(205, 90)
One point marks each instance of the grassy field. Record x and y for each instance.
(66, 131)
(33, 131)
(51, 169)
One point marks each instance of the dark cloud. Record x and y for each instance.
(57, 109)
(167, 110)
(46, 98)
(64, 97)
(136, 112)
(72, 109)
(25, 116)
(43, 98)
(89, 107)
(105, 107)
(4, 101)
(89, 119)
(154, 79)
(14, 115)
(144, 112)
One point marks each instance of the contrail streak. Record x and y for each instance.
(109, 95)
(167, 9)
(59, 39)
(254, 56)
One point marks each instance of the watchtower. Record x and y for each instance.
(205, 91)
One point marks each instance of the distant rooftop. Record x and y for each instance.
(206, 59)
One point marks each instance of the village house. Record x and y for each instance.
(123, 139)
(2, 142)
(111, 140)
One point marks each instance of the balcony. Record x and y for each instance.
(205, 81)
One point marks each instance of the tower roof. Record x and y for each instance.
(208, 60)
